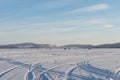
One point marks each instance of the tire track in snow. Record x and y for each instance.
(78, 77)
(29, 76)
(43, 73)
(49, 70)
(69, 73)
(108, 74)
(33, 72)
(71, 76)
(7, 71)
(117, 71)
(40, 73)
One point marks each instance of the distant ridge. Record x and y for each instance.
(114, 45)
(28, 45)
(77, 46)
(25, 46)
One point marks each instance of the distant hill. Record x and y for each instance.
(25, 46)
(76, 46)
(114, 45)
(33, 45)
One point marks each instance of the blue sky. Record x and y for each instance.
(60, 21)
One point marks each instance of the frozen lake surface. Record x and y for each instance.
(59, 64)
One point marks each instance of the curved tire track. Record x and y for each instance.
(40, 73)
(7, 71)
(106, 73)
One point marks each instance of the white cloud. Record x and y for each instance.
(97, 7)
(70, 23)
(59, 27)
(107, 26)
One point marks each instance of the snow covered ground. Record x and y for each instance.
(59, 64)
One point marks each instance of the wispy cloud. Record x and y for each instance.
(107, 26)
(49, 5)
(59, 27)
(63, 26)
(97, 7)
